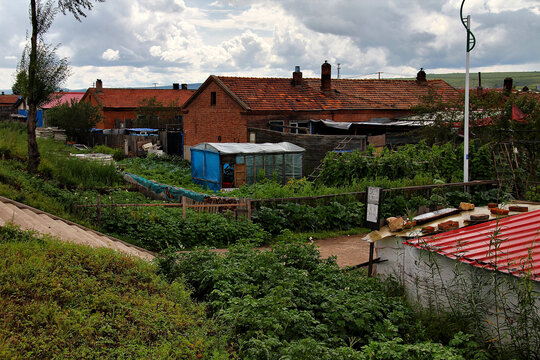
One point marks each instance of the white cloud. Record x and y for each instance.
(110, 55)
(169, 41)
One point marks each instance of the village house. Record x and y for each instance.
(235, 109)
(128, 108)
(7, 106)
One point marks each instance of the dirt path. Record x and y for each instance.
(350, 250)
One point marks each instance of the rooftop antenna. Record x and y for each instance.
(471, 42)
(338, 69)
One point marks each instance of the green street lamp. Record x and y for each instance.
(471, 42)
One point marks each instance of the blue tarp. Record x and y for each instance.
(39, 116)
(171, 192)
(206, 169)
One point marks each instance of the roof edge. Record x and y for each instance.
(214, 78)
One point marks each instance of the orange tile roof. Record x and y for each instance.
(8, 100)
(132, 98)
(280, 94)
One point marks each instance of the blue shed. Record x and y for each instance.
(227, 165)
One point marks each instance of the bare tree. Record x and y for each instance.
(42, 71)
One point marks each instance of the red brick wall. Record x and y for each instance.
(205, 123)
(110, 116)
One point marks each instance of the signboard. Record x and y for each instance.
(373, 207)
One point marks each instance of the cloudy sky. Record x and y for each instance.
(129, 43)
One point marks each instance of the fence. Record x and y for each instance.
(243, 207)
(360, 195)
(211, 205)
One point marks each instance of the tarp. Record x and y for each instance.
(248, 148)
(206, 168)
(170, 192)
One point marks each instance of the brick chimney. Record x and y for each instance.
(297, 77)
(176, 86)
(99, 86)
(508, 84)
(184, 86)
(326, 76)
(421, 77)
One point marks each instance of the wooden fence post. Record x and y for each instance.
(370, 264)
(99, 210)
(248, 205)
(184, 207)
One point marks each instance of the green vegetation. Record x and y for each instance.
(167, 169)
(419, 162)
(76, 118)
(491, 80)
(60, 301)
(286, 302)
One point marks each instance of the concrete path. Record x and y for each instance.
(29, 218)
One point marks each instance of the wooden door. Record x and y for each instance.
(239, 174)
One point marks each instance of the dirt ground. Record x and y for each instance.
(350, 250)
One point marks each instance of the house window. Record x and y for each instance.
(276, 125)
(213, 98)
(300, 124)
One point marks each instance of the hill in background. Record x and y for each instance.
(491, 80)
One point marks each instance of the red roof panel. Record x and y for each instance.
(510, 245)
(62, 97)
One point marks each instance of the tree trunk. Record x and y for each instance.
(33, 152)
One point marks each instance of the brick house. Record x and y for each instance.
(224, 108)
(7, 106)
(121, 107)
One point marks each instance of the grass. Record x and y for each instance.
(491, 80)
(73, 302)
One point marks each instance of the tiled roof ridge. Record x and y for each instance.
(318, 78)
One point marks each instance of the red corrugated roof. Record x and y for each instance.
(513, 249)
(8, 100)
(281, 94)
(132, 98)
(62, 97)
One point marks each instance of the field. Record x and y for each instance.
(491, 80)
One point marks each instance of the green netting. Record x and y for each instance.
(171, 192)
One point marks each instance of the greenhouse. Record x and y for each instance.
(228, 165)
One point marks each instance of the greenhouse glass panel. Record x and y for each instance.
(249, 169)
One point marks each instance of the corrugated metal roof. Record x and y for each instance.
(510, 245)
(249, 148)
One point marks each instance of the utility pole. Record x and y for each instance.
(471, 42)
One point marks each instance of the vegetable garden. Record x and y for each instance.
(286, 302)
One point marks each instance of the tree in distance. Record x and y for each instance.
(76, 118)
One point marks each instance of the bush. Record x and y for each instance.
(296, 217)
(160, 228)
(287, 302)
